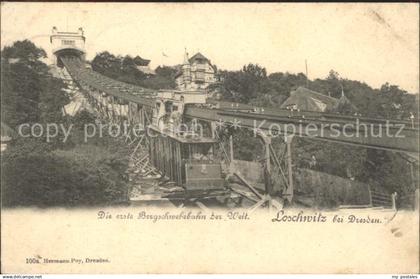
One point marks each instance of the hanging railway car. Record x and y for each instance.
(188, 161)
(182, 155)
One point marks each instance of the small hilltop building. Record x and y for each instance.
(143, 65)
(64, 43)
(308, 100)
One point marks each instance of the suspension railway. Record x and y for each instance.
(198, 165)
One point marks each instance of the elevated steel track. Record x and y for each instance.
(394, 135)
(398, 138)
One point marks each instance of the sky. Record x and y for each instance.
(374, 43)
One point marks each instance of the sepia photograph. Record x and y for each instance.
(209, 138)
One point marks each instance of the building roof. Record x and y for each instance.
(306, 99)
(199, 56)
(141, 61)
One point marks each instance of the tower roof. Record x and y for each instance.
(186, 59)
(198, 56)
(344, 105)
(141, 61)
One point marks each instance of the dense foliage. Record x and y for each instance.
(76, 173)
(382, 169)
(125, 69)
(55, 173)
(28, 91)
(252, 85)
(35, 175)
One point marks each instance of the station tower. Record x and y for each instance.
(67, 43)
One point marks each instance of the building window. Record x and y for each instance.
(199, 77)
(68, 42)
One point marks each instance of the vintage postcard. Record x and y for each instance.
(209, 138)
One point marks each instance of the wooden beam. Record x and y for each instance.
(248, 185)
(289, 189)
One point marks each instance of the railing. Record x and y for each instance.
(377, 199)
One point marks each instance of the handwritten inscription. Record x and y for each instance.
(281, 216)
(183, 215)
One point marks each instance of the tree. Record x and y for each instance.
(83, 118)
(52, 100)
(40, 173)
(166, 72)
(251, 85)
(29, 93)
(125, 69)
(387, 170)
(23, 50)
(392, 102)
(244, 85)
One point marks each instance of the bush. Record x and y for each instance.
(330, 191)
(86, 175)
